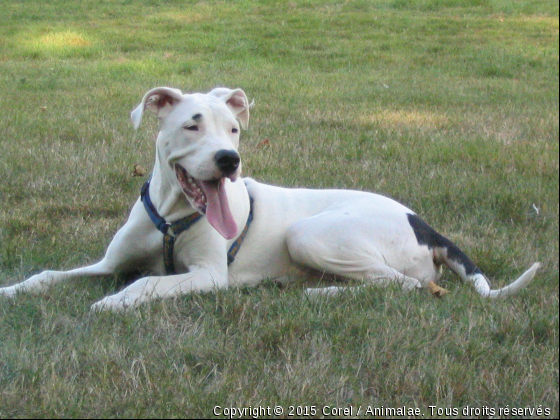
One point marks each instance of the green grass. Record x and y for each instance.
(449, 106)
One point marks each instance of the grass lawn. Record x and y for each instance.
(449, 106)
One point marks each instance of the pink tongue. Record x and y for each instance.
(217, 208)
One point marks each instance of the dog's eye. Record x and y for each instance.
(191, 128)
(234, 130)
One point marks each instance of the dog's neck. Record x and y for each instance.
(165, 193)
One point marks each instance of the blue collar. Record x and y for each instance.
(172, 230)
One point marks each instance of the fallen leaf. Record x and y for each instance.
(264, 143)
(436, 290)
(138, 171)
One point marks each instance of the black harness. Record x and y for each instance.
(172, 230)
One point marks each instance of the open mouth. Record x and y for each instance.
(209, 198)
(192, 188)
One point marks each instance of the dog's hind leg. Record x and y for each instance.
(376, 274)
(374, 277)
(342, 247)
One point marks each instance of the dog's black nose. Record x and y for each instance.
(227, 161)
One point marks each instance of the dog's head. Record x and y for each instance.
(198, 140)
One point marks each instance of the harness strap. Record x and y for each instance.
(175, 229)
(160, 222)
(236, 246)
(172, 230)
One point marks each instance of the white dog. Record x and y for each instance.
(197, 226)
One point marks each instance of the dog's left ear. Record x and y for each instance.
(159, 101)
(237, 101)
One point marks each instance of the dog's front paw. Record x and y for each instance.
(8, 292)
(35, 284)
(115, 303)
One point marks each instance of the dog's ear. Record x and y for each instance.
(237, 101)
(160, 101)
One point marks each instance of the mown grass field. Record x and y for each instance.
(449, 106)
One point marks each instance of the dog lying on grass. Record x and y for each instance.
(198, 225)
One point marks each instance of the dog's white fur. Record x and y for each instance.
(351, 234)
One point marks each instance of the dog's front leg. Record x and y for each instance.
(39, 282)
(127, 252)
(153, 287)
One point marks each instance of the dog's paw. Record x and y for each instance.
(410, 284)
(114, 303)
(7, 292)
(315, 292)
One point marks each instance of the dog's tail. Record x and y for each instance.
(446, 252)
